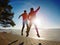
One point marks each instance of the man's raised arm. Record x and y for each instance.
(37, 9)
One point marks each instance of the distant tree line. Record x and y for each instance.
(6, 14)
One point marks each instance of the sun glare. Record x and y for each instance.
(37, 21)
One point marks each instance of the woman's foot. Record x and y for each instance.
(22, 33)
(27, 34)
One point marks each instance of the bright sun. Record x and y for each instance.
(37, 21)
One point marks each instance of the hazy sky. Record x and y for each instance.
(49, 12)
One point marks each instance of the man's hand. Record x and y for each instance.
(39, 7)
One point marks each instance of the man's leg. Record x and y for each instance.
(22, 28)
(37, 31)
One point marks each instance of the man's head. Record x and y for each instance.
(31, 9)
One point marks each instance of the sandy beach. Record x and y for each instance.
(6, 38)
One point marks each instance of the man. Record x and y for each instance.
(31, 17)
(24, 16)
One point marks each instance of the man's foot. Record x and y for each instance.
(22, 34)
(38, 35)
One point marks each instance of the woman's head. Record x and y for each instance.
(24, 11)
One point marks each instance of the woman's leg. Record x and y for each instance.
(28, 29)
(22, 28)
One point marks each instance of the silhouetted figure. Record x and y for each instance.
(39, 44)
(31, 17)
(21, 43)
(24, 16)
